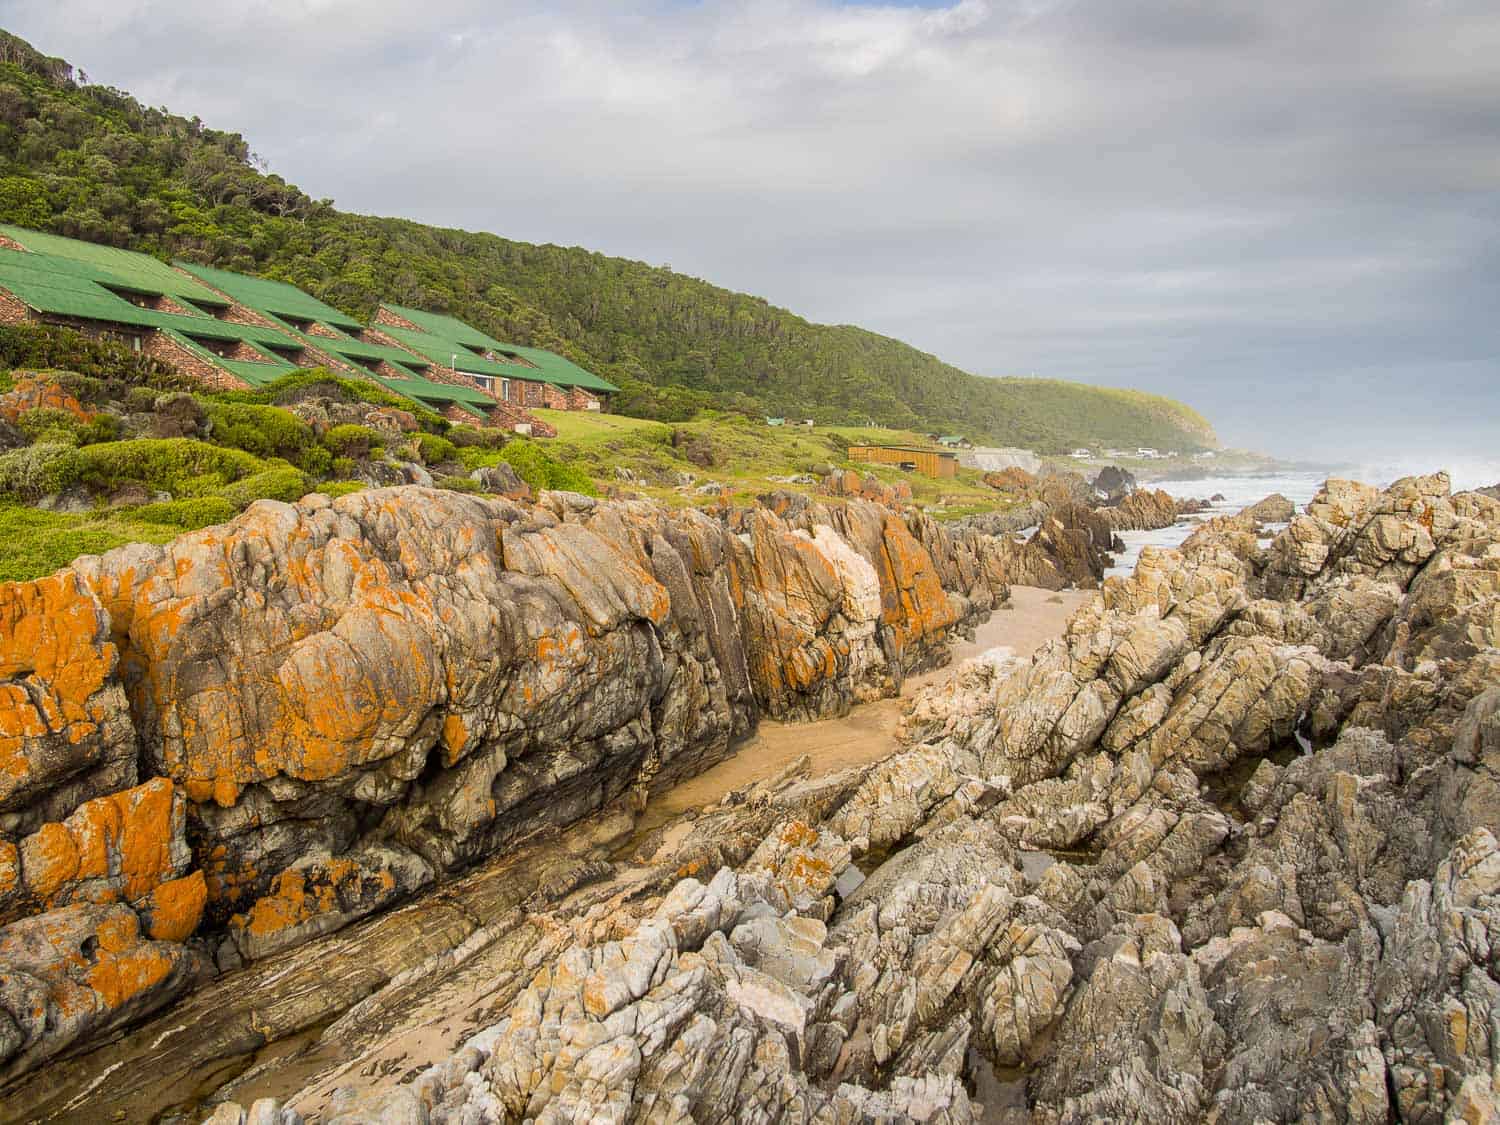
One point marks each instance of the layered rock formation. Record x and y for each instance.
(217, 749)
(1224, 852)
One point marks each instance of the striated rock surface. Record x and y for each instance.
(219, 749)
(1142, 510)
(1226, 851)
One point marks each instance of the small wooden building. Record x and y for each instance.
(929, 462)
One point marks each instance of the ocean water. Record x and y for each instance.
(1238, 492)
(1242, 491)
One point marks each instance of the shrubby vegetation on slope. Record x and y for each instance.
(91, 162)
(125, 454)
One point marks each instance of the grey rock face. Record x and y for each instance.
(341, 703)
(1224, 852)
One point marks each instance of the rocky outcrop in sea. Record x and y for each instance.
(1225, 851)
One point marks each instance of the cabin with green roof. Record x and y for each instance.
(334, 339)
(229, 330)
(525, 377)
(224, 329)
(102, 290)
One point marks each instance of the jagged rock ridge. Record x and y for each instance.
(215, 750)
(1224, 852)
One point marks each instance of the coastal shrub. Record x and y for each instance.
(478, 457)
(63, 351)
(434, 450)
(34, 542)
(39, 470)
(59, 425)
(464, 435)
(267, 431)
(351, 440)
(342, 468)
(284, 483)
(459, 484)
(102, 427)
(319, 382)
(337, 488)
(538, 469)
(141, 400)
(189, 515)
(162, 463)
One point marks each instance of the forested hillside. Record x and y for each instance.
(91, 162)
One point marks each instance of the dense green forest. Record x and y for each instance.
(91, 162)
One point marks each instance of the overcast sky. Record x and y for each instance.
(1285, 212)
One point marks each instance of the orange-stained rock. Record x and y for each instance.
(37, 392)
(173, 910)
(346, 698)
(65, 730)
(115, 848)
(76, 973)
(1013, 480)
(322, 893)
(10, 876)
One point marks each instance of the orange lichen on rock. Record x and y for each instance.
(125, 967)
(61, 707)
(36, 392)
(49, 860)
(122, 846)
(915, 605)
(299, 893)
(175, 909)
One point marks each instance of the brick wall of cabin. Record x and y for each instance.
(580, 399)
(455, 413)
(554, 398)
(391, 320)
(180, 359)
(13, 310)
(527, 392)
(317, 357)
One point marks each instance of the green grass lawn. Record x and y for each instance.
(747, 456)
(585, 425)
(35, 543)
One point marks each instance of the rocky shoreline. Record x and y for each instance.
(1225, 851)
(1241, 816)
(216, 751)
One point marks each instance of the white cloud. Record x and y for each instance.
(1219, 200)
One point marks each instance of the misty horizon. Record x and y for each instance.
(1285, 218)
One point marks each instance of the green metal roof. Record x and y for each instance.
(359, 349)
(430, 392)
(123, 268)
(442, 338)
(70, 288)
(444, 327)
(563, 372)
(265, 295)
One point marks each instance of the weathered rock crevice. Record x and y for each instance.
(909, 939)
(344, 702)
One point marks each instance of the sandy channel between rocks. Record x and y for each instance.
(868, 733)
(459, 1004)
